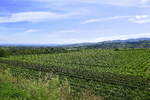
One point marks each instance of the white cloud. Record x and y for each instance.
(31, 31)
(105, 19)
(128, 3)
(142, 21)
(107, 38)
(122, 37)
(145, 1)
(125, 3)
(67, 31)
(34, 17)
(139, 19)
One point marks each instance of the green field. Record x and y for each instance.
(130, 62)
(111, 74)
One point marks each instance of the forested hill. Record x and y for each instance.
(131, 43)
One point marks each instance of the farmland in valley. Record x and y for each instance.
(112, 74)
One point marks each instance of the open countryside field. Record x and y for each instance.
(126, 62)
(74, 50)
(110, 74)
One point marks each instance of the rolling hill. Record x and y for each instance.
(130, 43)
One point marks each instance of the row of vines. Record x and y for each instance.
(114, 75)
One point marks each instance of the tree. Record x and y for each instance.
(3, 53)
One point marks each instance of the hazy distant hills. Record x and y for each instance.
(133, 40)
(130, 43)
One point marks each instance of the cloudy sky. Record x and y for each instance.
(72, 21)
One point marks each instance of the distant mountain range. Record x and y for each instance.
(129, 43)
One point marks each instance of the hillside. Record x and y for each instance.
(130, 43)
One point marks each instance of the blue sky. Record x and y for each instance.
(72, 21)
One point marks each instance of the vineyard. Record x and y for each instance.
(111, 74)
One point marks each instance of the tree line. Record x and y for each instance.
(6, 51)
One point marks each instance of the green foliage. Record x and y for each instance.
(128, 61)
(32, 50)
(7, 90)
(18, 88)
(21, 88)
(3, 53)
(121, 74)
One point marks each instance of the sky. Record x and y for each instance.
(72, 21)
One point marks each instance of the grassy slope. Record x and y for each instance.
(17, 88)
(23, 84)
